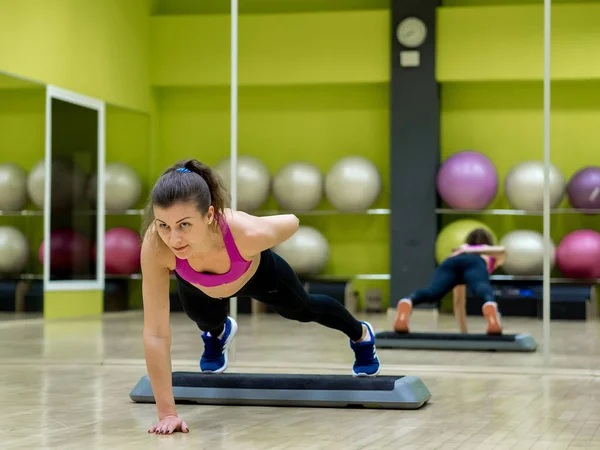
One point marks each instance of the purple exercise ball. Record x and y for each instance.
(583, 189)
(467, 180)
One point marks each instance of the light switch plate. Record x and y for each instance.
(410, 58)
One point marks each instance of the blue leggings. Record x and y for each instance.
(468, 269)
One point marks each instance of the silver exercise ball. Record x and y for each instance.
(352, 184)
(524, 186)
(68, 184)
(307, 251)
(253, 181)
(525, 253)
(14, 250)
(13, 187)
(122, 187)
(298, 186)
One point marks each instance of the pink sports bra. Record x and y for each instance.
(492, 264)
(239, 265)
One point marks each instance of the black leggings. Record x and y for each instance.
(469, 269)
(275, 283)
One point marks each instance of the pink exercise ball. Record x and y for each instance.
(69, 250)
(121, 251)
(578, 254)
(467, 180)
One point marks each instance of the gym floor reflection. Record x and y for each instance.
(65, 384)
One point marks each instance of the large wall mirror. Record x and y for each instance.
(69, 178)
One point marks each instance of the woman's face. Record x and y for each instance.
(183, 228)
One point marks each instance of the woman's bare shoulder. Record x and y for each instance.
(155, 252)
(239, 222)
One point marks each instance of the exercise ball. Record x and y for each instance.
(352, 184)
(68, 184)
(298, 186)
(253, 181)
(583, 189)
(467, 180)
(454, 235)
(524, 186)
(122, 187)
(121, 251)
(578, 254)
(70, 251)
(525, 253)
(307, 251)
(13, 187)
(14, 250)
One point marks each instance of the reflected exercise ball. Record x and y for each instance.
(307, 251)
(298, 186)
(122, 187)
(467, 180)
(253, 181)
(121, 251)
(70, 251)
(14, 250)
(583, 189)
(454, 235)
(13, 187)
(352, 184)
(525, 253)
(524, 186)
(578, 254)
(68, 184)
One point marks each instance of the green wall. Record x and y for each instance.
(177, 7)
(506, 42)
(22, 122)
(95, 47)
(505, 2)
(274, 49)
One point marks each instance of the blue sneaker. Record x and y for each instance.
(366, 363)
(214, 358)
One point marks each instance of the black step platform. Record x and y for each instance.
(523, 342)
(334, 391)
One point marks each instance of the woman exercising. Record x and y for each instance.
(217, 253)
(470, 264)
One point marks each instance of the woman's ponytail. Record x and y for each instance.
(220, 198)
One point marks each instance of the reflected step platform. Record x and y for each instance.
(523, 342)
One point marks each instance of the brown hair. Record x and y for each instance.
(188, 181)
(480, 236)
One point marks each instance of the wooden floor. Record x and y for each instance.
(65, 385)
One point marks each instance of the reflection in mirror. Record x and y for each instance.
(127, 177)
(74, 142)
(22, 116)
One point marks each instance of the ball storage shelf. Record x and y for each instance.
(514, 212)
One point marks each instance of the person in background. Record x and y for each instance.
(469, 265)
